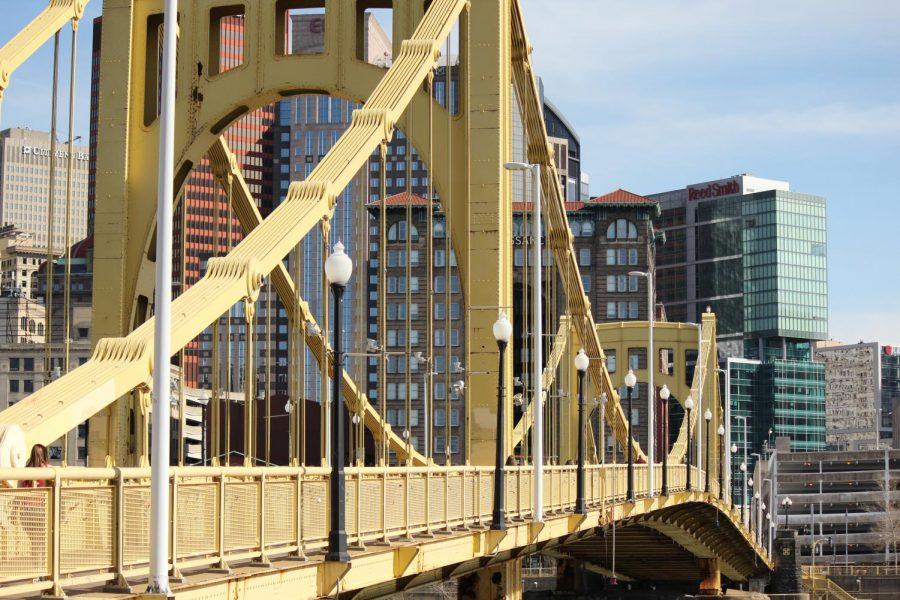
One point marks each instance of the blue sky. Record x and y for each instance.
(668, 93)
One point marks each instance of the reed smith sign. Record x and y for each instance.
(714, 189)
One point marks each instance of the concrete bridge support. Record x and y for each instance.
(788, 577)
(499, 582)
(711, 577)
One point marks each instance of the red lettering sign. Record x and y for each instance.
(714, 190)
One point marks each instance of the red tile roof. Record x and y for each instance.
(621, 196)
(526, 206)
(401, 199)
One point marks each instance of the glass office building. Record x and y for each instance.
(785, 285)
(754, 252)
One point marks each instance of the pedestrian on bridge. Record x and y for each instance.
(38, 460)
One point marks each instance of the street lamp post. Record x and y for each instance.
(785, 506)
(707, 416)
(734, 450)
(651, 389)
(744, 442)
(760, 509)
(727, 441)
(721, 432)
(537, 408)
(158, 582)
(744, 499)
(502, 332)
(630, 381)
(750, 508)
(581, 365)
(688, 407)
(664, 415)
(338, 269)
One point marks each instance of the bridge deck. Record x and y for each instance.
(89, 528)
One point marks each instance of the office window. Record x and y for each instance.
(584, 257)
(632, 310)
(610, 310)
(610, 256)
(13, 364)
(611, 284)
(632, 256)
(586, 283)
(634, 359)
(632, 283)
(611, 361)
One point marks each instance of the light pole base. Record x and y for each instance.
(498, 521)
(337, 547)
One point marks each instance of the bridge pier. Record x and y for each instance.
(787, 577)
(711, 577)
(500, 582)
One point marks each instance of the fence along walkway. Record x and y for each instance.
(91, 526)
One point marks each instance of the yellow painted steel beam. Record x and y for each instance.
(31, 37)
(223, 163)
(119, 364)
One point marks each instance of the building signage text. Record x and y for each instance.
(46, 152)
(715, 189)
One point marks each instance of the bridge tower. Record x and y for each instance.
(208, 101)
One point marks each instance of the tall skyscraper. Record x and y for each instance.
(25, 187)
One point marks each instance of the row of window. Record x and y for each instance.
(397, 337)
(397, 417)
(440, 391)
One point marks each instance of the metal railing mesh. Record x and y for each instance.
(136, 524)
(196, 531)
(241, 518)
(87, 522)
(216, 511)
(25, 525)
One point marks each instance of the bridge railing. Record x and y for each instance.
(79, 526)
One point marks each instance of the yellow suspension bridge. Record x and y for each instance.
(257, 531)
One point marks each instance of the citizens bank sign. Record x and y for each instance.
(715, 189)
(34, 150)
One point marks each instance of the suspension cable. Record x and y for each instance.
(526, 319)
(182, 280)
(325, 407)
(229, 358)
(382, 304)
(467, 324)
(429, 283)
(51, 197)
(268, 408)
(299, 420)
(70, 168)
(216, 370)
(408, 287)
(448, 213)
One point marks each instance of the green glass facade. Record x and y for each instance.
(786, 396)
(785, 281)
